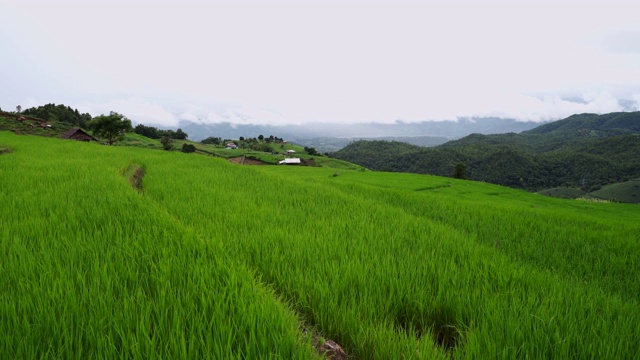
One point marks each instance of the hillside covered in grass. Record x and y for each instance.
(203, 258)
(584, 151)
(55, 120)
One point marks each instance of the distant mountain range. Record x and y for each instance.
(424, 133)
(330, 144)
(585, 151)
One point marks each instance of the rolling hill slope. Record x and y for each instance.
(208, 259)
(584, 151)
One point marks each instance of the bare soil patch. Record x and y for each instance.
(243, 160)
(327, 347)
(134, 173)
(135, 179)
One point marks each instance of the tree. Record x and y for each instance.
(180, 135)
(211, 140)
(18, 109)
(311, 151)
(111, 127)
(167, 143)
(148, 131)
(260, 137)
(188, 148)
(460, 171)
(261, 147)
(62, 113)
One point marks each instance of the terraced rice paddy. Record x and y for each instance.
(214, 260)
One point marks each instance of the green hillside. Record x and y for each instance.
(576, 130)
(265, 151)
(8, 122)
(376, 154)
(628, 192)
(583, 151)
(605, 125)
(207, 259)
(133, 139)
(563, 192)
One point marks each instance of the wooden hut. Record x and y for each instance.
(78, 134)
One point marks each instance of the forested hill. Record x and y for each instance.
(601, 125)
(586, 151)
(570, 132)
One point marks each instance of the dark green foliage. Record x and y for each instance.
(212, 140)
(460, 171)
(111, 127)
(329, 144)
(167, 143)
(593, 125)
(261, 147)
(583, 151)
(180, 135)
(374, 154)
(628, 191)
(311, 151)
(188, 148)
(563, 192)
(155, 133)
(61, 113)
(148, 131)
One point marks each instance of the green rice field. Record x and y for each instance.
(206, 259)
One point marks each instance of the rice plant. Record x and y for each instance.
(215, 260)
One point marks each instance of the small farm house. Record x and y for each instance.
(78, 134)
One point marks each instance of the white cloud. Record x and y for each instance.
(137, 110)
(636, 99)
(246, 115)
(214, 118)
(188, 116)
(332, 62)
(622, 41)
(531, 108)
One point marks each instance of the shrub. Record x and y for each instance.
(188, 148)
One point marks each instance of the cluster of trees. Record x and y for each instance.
(311, 151)
(211, 140)
(260, 143)
(61, 113)
(584, 151)
(155, 133)
(188, 148)
(111, 127)
(261, 138)
(270, 139)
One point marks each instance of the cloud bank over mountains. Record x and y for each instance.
(310, 61)
(521, 108)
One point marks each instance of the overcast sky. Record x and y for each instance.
(349, 61)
